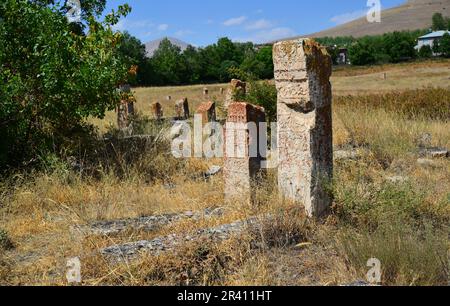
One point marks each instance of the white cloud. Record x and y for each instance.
(235, 21)
(163, 27)
(209, 21)
(182, 33)
(259, 25)
(269, 35)
(127, 25)
(347, 17)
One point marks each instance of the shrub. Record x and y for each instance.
(425, 52)
(52, 77)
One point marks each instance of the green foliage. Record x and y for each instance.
(399, 46)
(425, 52)
(214, 63)
(362, 53)
(52, 77)
(440, 23)
(390, 47)
(340, 41)
(444, 45)
(264, 93)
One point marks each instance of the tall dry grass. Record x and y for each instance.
(404, 224)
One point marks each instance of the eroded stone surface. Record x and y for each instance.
(170, 242)
(149, 223)
(302, 75)
(157, 111)
(125, 109)
(208, 112)
(243, 158)
(236, 87)
(182, 109)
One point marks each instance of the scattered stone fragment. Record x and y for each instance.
(424, 162)
(212, 171)
(397, 179)
(434, 153)
(347, 155)
(170, 242)
(148, 224)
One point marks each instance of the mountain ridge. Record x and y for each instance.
(152, 46)
(412, 15)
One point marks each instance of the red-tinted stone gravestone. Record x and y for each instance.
(305, 137)
(242, 151)
(208, 112)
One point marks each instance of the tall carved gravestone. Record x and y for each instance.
(305, 142)
(243, 156)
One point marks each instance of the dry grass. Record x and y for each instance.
(404, 224)
(345, 81)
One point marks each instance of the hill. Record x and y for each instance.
(153, 45)
(413, 15)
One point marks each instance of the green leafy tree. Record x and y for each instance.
(52, 78)
(439, 22)
(362, 53)
(399, 46)
(444, 45)
(425, 52)
(169, 64)
(133, 52)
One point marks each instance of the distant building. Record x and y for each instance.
(430, 39)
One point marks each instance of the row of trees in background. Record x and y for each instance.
(225, 59)
(218, 62)
(390, 47)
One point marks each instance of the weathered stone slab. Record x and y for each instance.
(236, 87)
(242, 150)
(434, 153)
(125, 109)
(208, 112)
(302, 77)
(157, 111)
(147, 224)
(170, 242)
(182, 109)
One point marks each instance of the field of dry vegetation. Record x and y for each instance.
(391, 202)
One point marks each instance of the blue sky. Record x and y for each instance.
(202, 22)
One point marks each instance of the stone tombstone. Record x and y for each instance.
(125, 108)
(221, 90)
(208, 112)
(243, 158)
(305, 138)
(235, 87)
(157, 111)
(182, 109)
(168, 98)
(205, 91)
